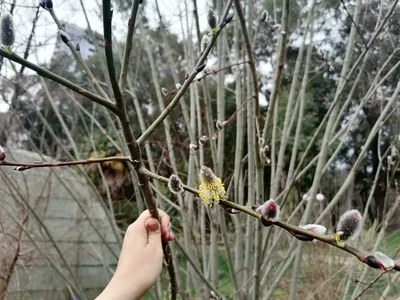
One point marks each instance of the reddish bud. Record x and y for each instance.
(269, 210)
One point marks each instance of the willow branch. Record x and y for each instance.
(295, 231)
(19, 166)
(54, 77)
(250, 54)
(130, 140)
(279, 68)
(128, 44)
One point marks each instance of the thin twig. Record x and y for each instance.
(241, 288)
(354, 23)
(128, 45)
(370, 284)
(279, 69)
(214, 72)
(20, 166)
(250, 54)
(223, 125)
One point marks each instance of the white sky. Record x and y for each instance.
(71, 11)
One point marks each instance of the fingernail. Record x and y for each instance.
(153, 226)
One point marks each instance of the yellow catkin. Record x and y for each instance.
(212, 191)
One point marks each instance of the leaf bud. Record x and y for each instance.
(228, 19)
(64, 36)
(49, 4)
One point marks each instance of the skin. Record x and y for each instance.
(141, 258)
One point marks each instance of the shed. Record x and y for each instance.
(56, 234)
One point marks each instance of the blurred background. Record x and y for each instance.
(62, 227)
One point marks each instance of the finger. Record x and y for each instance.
(146, 215)
(165, 223)
(153, 233)
(139, 224)
(170, 236)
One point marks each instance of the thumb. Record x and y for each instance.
(153, 231)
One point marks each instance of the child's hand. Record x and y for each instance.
(141, 258)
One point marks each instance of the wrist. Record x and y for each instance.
(121, 290)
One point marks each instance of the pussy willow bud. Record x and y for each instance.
(264, 16)
(175, 184)
(178, 86)
(49, 4)
(205, 41)
(269, 210)
(319, 229)
(266, 149)
(2, 154)
(349, 226)
(230, 210)
(306, 197)
(211, 19)
(213, 296)
(276, 27)
(373, 262)
(320, 197)
(7, 29)
(64, 36)
(220, 124)
(193, 147)
(164, 91)
(385, 260)
(42, 3)
(261, 142)
(203, 139)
